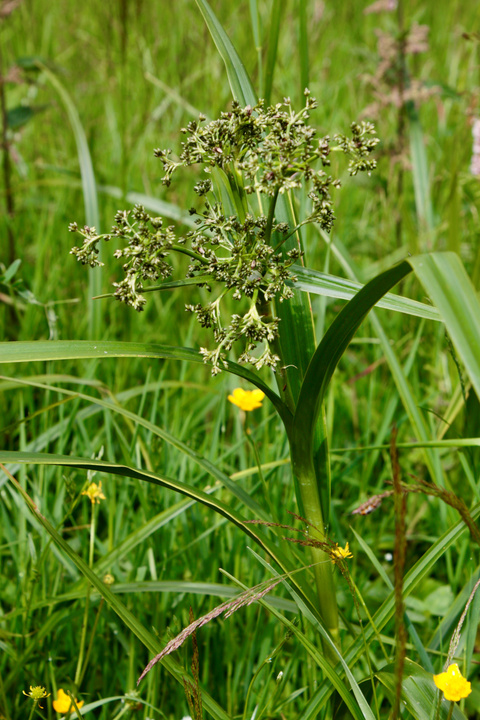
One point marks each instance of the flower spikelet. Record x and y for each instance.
(63, 703)
(452, 683)
(247, 399)
(94, 492)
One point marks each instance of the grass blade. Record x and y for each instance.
(89, 189)
(318, 283)
(127, 617)
(14, 352)
(257, 36)
(303, 45)
(32, 458)
(421, 180)
(275, 18)
(240, 84)
(328, 354)
(445, 279)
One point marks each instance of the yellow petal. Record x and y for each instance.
(63, 703)
(452, 683)
(247, 400)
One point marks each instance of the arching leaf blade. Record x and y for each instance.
(240, 83)
(329, 352)
(448, 285)
(19, 352)
(221, 508)
(89, 187)
(318, 283)
(127, 617)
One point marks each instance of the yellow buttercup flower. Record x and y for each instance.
(36, 693)
(94, 492)
(341, 553)
(63, 703)
(247, 399)
(452, 683)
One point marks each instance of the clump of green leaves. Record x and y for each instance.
(250, 156)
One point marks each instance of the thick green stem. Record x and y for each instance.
(312, 485)
(310, 460)
(307, 485)
(79, 674)
(271, 216)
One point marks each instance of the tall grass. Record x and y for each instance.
(166, 418)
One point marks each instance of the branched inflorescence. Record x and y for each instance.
(251, 156)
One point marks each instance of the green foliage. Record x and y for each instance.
(183, 471)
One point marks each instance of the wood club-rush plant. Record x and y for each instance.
(244, 246)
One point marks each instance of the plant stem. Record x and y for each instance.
(271, 216)
(307, 484)
(191, 253)
(122, 712)
(254, 447)
(7, 169)
(90, 645)
(79, 671)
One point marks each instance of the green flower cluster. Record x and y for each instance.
(251, 156)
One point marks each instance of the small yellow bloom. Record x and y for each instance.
(36, 693)
(341, 553)
(94, 492)
(452, 683)
(108, 579)
(63, 703)
(247, 399)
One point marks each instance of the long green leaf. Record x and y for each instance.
(15, 352)
(405, 392)
(155, 586)
(257, 36)
(89, 188)
(237, 491)
(274, 31)
(421, 180)
(153, 204)
(240, 84)
(303, 45)
(32, 458)
(446, 281)
(318, 283)
(328, 354)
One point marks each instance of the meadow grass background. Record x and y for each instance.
(136, 72)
